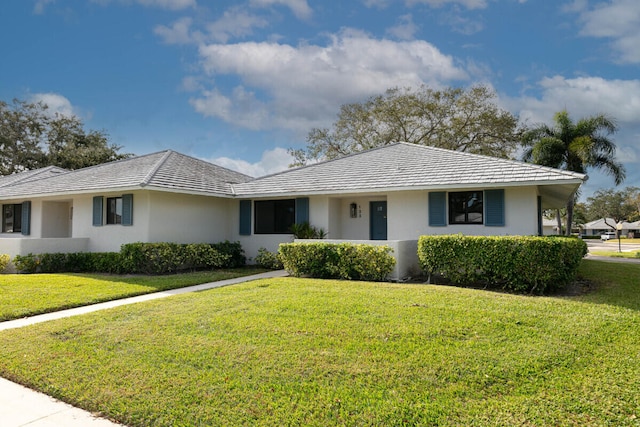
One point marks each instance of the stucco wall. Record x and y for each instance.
(57, 220)
(408, 216)
(108, 238)
(183, 218)
(359, 227)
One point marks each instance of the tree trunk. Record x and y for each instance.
(570, 204)
(559, 220)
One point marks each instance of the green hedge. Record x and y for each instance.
(269, 260)
(4, 261)
(137, 258)
(337, 260)
(523, 264)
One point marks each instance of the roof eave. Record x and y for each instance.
(245, 195)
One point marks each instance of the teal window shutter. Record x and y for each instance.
(26, 218)
(97, 211)
(494, 208)
(438, 209)
(302, 210)
(127, 209)
(245, 217)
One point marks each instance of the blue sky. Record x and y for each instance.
(238, 82)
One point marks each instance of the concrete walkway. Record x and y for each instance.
(21, 406)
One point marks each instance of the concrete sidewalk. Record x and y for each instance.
(21, 406)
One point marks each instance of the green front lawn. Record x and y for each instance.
(24, 295)
(312, 352)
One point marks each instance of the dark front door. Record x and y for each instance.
(378, 220)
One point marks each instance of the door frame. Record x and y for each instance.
(372, 211)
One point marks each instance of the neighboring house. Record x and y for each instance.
(600, 226)
(550, 227)
(392, 195)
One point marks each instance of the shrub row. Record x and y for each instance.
(268, 260)
(4, 261)
(337, 260)
(514, 263)
(137, 258)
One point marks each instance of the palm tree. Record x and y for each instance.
(574, 147)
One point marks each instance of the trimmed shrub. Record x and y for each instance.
(77, 262)
(4, 261)
(270, 260)
(26, 263)
(166, 258)
(140, 258)
(337, 260)
(524, 264)
(234, 251)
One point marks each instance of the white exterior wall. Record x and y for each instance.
(358, 228)
(184, 218)
(109, 237)
(408, 216)
(57, 221)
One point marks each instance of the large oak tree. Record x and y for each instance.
(31, 137)
(455, 118)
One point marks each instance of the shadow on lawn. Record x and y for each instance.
(616, 284)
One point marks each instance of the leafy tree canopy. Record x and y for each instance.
(621, 205)
(31, 138)
(454, 118)
(574, 146)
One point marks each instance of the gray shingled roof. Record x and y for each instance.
(404, 166)
(32, 175)
(165, 170)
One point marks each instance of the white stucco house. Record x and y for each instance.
(390, 195)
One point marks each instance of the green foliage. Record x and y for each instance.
(270, 260)
(337, 260)
(77, 262)
(138, 258)
(4, 261)
(305, 230)
(514, 263)
(574, 147)
(233, 252)
(620, 205)
(31, 138)
(454, 118)
(165, 258)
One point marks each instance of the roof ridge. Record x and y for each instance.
(357, 153)
(155, 169)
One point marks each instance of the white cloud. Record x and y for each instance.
(163, 4)
(299, 87)
(300, 8)
(178, 33)
(588, 96)
(40, 5)
(618, 20)
(56, 103)
(235, 22)
(272, 161)
(584, 96)
(469, 4)
(405, 29)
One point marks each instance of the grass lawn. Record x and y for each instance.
(616, 254)
(28, 294)
(311, 352)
